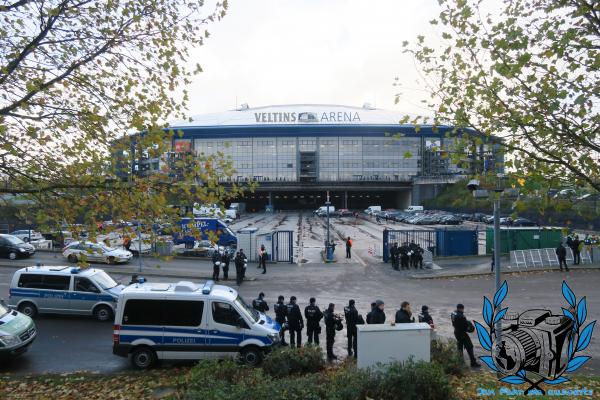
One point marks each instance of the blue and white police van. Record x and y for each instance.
(64, 290)
(187, 321)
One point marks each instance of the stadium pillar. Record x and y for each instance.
(345, 199)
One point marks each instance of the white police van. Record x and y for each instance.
(186, 321)
(64, 290)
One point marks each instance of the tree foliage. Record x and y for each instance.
(75, 77)
(528, 73)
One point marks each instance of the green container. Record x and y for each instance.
(523, 238)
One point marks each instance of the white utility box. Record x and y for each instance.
(386, 343)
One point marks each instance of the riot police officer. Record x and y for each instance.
(225, 258)
(351, 315)
(281, 316)
(462, 328)
(330, 325)
(394, 255)
(295, 322)
(216, 260)
(313, 317)
(240, 263)
(413, 249)
(403, 250)
(259, 304)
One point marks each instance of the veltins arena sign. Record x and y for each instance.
(307, 117)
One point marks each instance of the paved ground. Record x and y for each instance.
(71, 344)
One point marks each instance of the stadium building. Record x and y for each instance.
(361, 155)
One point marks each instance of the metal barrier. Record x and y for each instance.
(279, 246)
(546, 257)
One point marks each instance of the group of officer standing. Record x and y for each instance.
(406, 256)
(291, 319)
(221, 260)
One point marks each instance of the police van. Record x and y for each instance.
(187, 321)
(64, 290)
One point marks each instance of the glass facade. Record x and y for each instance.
(338, 158)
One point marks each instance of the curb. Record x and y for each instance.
(510, 272)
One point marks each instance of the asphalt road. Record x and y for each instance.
(67, 344)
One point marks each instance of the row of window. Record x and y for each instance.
(56, 282)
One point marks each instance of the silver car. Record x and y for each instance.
(95, 252)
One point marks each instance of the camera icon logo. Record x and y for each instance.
(534, 347)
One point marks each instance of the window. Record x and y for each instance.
(85, 285)
(31, 281)
(143, 312)
(224, 313)
(183, 312)
(50, 282)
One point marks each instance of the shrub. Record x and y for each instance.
(287, 361)
(445, 353)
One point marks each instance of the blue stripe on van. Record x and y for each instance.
(59, 294)
(204, 335)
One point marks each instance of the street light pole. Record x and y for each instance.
(497, 267)
(327, 204)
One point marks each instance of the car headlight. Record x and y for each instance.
(22, 249)
(273, 337)
(9, 340)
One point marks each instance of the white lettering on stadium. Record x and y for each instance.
(287, 117)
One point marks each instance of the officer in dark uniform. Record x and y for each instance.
(295, 322)
(240, 262)
(330, 323)
(413, 250)
(403, 250)
(225, 258)
(462, 328)
(313, 317)
(561, 254)
(280, 317)
(426, 317)
(216, 260)
(259, 304)
(351, 315)
(394, 255)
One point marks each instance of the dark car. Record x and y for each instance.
(13, 247)
(523, 222)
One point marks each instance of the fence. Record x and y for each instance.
(279, 245)
(534, 258)
(440, 242)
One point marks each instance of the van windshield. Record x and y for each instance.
(246, 309)
(3, 310)
(104, 280)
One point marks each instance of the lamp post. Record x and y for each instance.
(327, 203)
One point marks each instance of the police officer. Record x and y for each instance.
(462, 328)
(259, 304)
(403, 250)
(239, 262)
(378, 315)
(426, 317)
(330, 323)
(280, 317)
(216, 260)
(262, 258)
(413, 250)
(351, 315)
(313, 317)
(295, 322)
(561, 254)
(225, 258)
(394, 255)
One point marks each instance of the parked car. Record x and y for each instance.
(95, 252)
(26, 235)
(17, 332)
(506, 221)
(450, 220)
(13, 247)
(344, 212)
(523, 222)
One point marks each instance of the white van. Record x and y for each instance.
(323, 210)
(64, 290)
(372, 209)
(414, 209)
(186, 321)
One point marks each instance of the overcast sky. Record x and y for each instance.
(312, 51)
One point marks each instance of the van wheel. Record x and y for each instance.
(110, 260)
(252, 356)
(72, 258)
(103, 313)
(12, 255)
(28, 309)
(143, 358)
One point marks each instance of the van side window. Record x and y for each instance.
(85, 285)
(183, 312)
(31, 281)
(142, 312)
(56, 282)
(224, 313)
